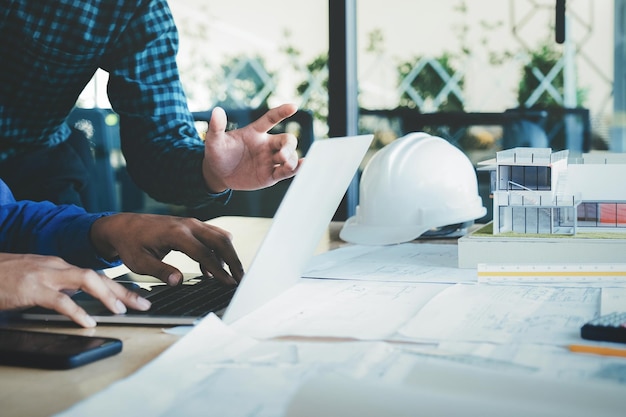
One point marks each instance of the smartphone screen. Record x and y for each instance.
(53, 350)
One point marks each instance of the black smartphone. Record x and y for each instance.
(35, 349)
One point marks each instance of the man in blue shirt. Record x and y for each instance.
(46, 248)
(51, 49)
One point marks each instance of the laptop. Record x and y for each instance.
(297, 228)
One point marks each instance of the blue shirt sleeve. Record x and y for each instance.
(47, 229)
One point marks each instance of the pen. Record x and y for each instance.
(598, 350)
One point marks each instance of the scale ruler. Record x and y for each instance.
(552, 273)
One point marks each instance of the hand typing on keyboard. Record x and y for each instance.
(141, 241)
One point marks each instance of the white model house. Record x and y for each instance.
(537, 191)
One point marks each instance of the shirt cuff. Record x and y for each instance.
(84, 253)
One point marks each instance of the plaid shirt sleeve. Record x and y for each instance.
(162, 148)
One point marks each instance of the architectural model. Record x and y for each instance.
(537, 191)
(549, 207)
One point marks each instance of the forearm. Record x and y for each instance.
(165, 158)
(47, 229)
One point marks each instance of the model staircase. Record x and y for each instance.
(527, 195)
(562, 199)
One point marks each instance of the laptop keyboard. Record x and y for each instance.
(204, 297)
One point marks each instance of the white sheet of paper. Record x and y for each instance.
(613, 300)
(537, 395)
(344, 309)
(538, 359)
(436, 390)
(213, 371)
(158, 386)
(407, 262)
(505, 314)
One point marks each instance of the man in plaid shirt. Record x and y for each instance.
(51, 49)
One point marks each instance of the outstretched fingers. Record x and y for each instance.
(272, 117)
(285, 157)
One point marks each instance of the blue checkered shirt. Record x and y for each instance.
(50, 49)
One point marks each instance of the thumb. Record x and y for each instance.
(154, 267)
(218, 121)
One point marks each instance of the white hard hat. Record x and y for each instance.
(416, 183)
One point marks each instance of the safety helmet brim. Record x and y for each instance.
(366, 234)
(361, 233)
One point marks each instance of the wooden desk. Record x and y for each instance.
(36, 393)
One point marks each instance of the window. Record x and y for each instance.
(594, 214)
